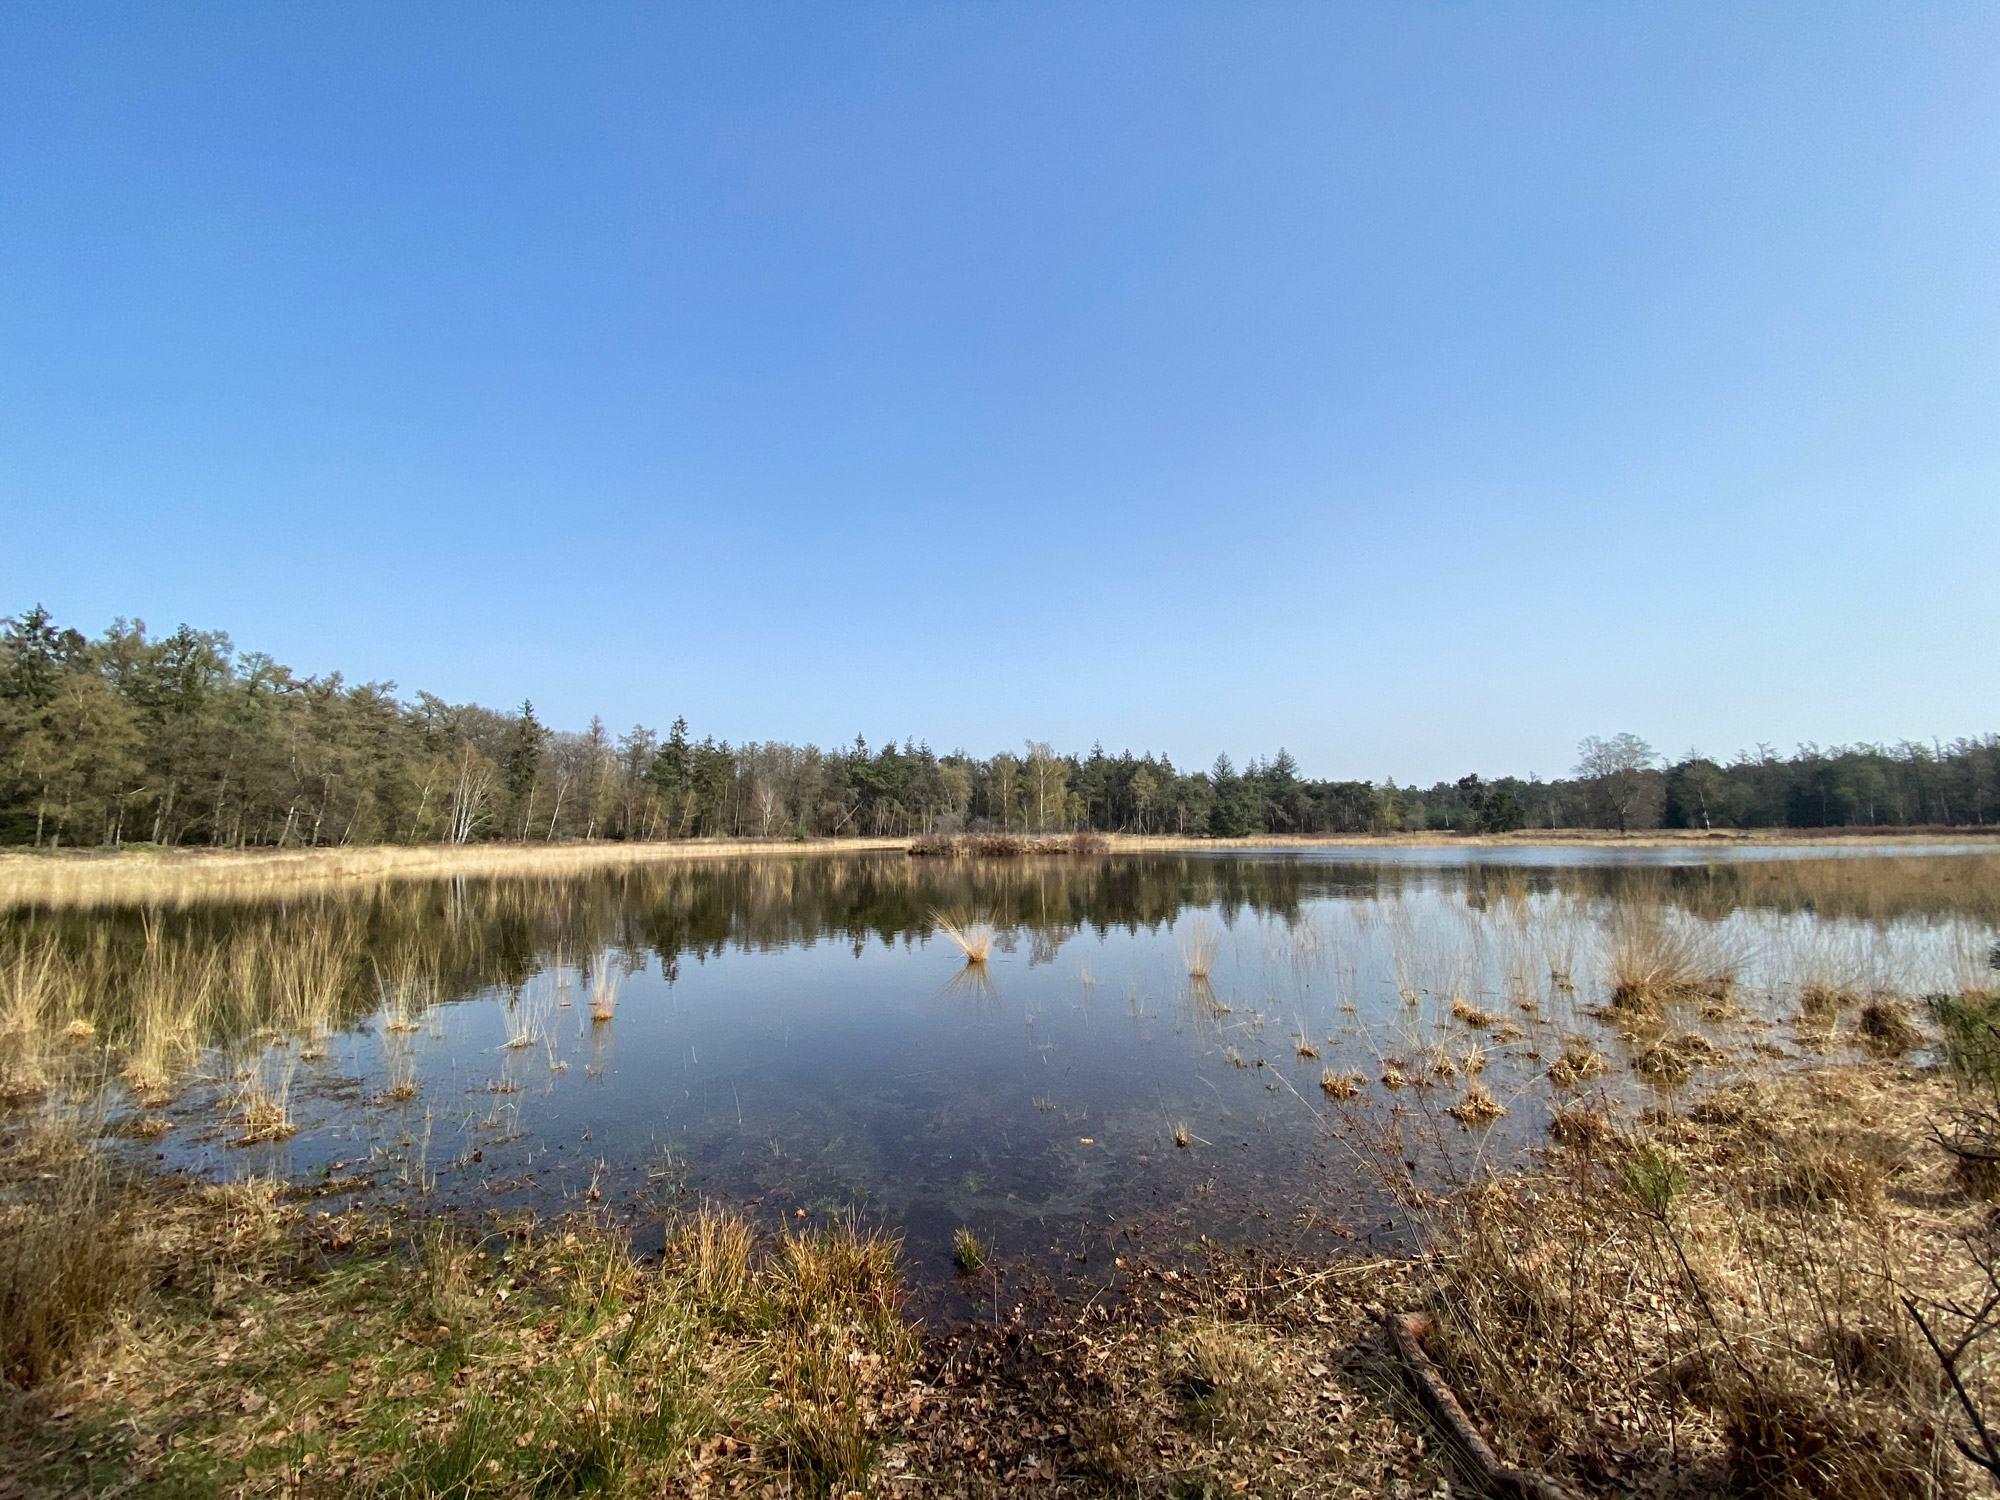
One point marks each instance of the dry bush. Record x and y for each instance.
(1970, 1023)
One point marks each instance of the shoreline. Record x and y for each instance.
(258, 1343)
(95, 876)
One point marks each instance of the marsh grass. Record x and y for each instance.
(263, 1104)
(70, 1257)
(26, 998)
(968, 1251)
(529, 1016)
(1657, 959)
(1476, 1106)
(192, 877)
(1466, 1013)
(1721, 1287)
(1340, 1084)
(1885, 1026)
(1198, 952)
(974, 940)
(604, 985)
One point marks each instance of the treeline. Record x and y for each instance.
(182, 739)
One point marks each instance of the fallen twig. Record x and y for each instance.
(1406, 1331)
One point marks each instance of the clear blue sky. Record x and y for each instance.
(1417, 387)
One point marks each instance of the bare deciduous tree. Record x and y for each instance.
(1616, 769)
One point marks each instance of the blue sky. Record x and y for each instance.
(1418, 387)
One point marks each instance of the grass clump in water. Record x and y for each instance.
(1199, 951)
(1476, 1106)
(604, 984)
(972, 939)
(1343, 1084)
(1471, 1015)
(1655, 962)
(968, 1252)
(1886, 1027)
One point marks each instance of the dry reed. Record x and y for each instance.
(604, 984)
(1199, 951)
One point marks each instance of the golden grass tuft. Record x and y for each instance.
(1199, 951)
(263, 1109)
(604, 985)
(1655, 962)
(69, 1257)
(972, 939)
(1225, 1379)
(1577, 1061)
(1340, 1085)
(1471, 1015)
(1476, 1106)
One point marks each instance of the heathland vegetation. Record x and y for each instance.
(182, 740)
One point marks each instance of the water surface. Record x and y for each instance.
(795, 1037)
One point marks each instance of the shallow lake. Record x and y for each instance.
(797, 1036)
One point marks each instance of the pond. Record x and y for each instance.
(1157, 1048)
